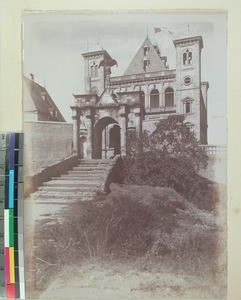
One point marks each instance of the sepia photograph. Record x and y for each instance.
(125, 188)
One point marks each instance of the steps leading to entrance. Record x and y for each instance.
(81, 183)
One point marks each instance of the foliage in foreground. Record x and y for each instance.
(170, 157)
(153, 224)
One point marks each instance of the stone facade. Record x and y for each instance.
(147, 92)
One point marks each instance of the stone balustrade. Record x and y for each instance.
(214, 150)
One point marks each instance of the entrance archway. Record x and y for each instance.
(106, 138)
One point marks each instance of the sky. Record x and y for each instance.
(53, 44)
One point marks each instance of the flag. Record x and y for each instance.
(157, 29)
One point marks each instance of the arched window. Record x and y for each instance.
(187, 57)
(169, 97)
(94, 70)
(154, 99)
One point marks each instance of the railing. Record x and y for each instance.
(117, 79)
(214, 150)
(161, 109)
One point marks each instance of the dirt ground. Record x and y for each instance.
(95, 280)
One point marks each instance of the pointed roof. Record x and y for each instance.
(155, 62)
(37, 99)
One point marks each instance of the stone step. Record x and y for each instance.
(101, 161)
(54, 195)
(65, 189)
(81, 176)
(72, 183)
(83, 163)
(93, 169)
(92, 172)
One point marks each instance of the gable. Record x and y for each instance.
(155, 62)
(34, 102)
(106, 99)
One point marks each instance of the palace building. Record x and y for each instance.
(147, 92)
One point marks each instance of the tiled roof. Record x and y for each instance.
(155, 61)
(38, 100)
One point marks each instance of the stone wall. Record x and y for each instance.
(45, 143)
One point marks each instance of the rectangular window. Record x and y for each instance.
(187, 107)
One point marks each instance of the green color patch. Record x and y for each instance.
(11, 227)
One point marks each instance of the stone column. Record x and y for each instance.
(148, 96)
(138, 123)
(76, 123)
(123, 125)
(89, 121)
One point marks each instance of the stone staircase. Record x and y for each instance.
(81, 183)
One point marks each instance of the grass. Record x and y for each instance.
(152, 229)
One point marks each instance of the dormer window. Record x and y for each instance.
(146, 49)
(146, 63)
(187, 57)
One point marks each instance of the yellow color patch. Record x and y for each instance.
(11, 258)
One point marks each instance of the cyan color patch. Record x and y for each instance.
(11, 189)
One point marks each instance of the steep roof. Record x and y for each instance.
(37, 99)
(155, 62)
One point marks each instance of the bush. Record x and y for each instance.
(170, 157)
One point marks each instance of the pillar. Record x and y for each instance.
(123, 130)
(138, 123)
(148, 96)
(76, 123)
(89, 133)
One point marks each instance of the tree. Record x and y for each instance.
(170, 156)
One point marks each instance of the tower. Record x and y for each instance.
(190, 100)
(95, 76)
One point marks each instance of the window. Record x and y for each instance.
(114, 97)
(145, 50)
(145, 64)
(154, 99)
(94, 70)
(187, 105)
(187, 57)
(169, 97)
(187, 80)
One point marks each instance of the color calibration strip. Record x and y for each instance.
(11, 216)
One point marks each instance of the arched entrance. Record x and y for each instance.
(106, 138)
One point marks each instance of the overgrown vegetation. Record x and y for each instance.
(155, 225)
(170, 157)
